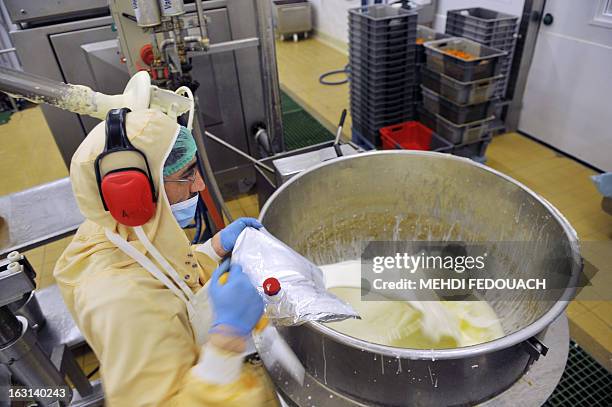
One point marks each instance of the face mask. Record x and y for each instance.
(185, 211)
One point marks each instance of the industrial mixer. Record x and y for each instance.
(327, 213)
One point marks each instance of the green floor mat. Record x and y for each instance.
(289, 105)
(584, 382)
(301, 129)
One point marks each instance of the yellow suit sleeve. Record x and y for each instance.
(140, 333)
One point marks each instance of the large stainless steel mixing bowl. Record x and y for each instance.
(325, 213)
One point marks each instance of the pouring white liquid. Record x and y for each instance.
(410, 324)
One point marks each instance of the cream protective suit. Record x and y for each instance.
(138, 329)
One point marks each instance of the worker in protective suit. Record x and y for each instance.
(137, 293)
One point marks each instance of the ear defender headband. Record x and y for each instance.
(127, 193)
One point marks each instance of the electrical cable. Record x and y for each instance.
(346, 71)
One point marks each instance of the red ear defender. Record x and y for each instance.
(128, 197)
(127, 193)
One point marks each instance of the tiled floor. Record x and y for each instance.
(299, 67)
(29, 156)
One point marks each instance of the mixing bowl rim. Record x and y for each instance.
(504, 342)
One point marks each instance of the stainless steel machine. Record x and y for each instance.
(228, 61)
(36, 349)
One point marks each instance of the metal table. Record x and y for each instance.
(37, 215)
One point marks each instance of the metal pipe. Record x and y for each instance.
(206, 170)
(10, 328)
(239, 152)
(170, 41)
(74, 98)
(32, 87)
(271, 85)
(226, 46)
(7, 50)
(202, 21)
(31, 366)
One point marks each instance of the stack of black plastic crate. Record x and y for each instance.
(490, 28)
(382, 52)
(459, 82)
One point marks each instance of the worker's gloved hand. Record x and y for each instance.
(230, 234)
(236, 303)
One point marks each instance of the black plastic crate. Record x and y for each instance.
(382, 61)
(431, 101)
(385, 99)
(457, 114)
(417, 94)
(462, 93)
(359, 39)
(376, 106)
(360, 140)
(485, 64)
(380, 94)
(366, 78)
(427, 119)
(383, 16)
(363, 31)
(374, 115)
(394, 60)
(461, 114)
(383, 48)
(430, 79)
(380, 71)
(482, 18)
(402, 106)
(376, 87)
(504, 44)
(367, 84)
(462, 133)
(384, 64)
(474, 150)
(373, 125)
(460, 30)
(381, 116)
(366, 137)
(384, 105)
(425, 34)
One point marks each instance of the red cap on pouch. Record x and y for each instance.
(271, 286)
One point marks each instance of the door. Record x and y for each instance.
(568, 96)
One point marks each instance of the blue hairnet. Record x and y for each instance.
(183, 151)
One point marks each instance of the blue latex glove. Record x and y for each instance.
(236, 304)
(229, 235)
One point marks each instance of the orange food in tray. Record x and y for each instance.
(460, 54)
(420, 41)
